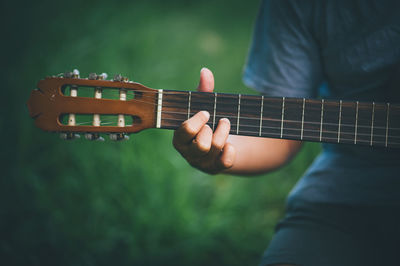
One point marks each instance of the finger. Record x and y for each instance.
(227, 158)
(202, 143)
(220, 136)
(206, 83)
(190, 128)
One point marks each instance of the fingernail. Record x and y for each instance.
(225, 119)
(207, 114)
(203, 68)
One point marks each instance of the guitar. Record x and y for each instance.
(70, 105)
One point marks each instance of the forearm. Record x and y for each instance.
(260, 155)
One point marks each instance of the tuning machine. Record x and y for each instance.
(120, 78)
(102, 76)
(73, 74)
(94, 136)
(69, 136)
(119, 136)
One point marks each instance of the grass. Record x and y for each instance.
(135, 202)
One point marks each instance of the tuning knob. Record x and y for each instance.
(93, 136)
(92, 76)
(73, 74)
(119, 136)
(69, 136)
(102, 76)
(118, 77)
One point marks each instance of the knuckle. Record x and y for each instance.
(217, 144)
(188, 128)
(226, 163)
(202, 147)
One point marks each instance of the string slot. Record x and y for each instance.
(105, 120)
(107, 93)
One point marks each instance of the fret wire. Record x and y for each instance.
(387, 124)
(340, 120)
(372, 123)
(322, 119)
(215, 108)
(302, 118)
(189, 100)
(238, 116)
(261, 115)
(355, 129)
(283, 115)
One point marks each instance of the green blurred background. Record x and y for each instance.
(136, 202)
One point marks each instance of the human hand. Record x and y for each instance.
(196, 142)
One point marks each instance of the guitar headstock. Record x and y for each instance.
(71, 105)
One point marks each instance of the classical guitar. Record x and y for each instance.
(70, 105)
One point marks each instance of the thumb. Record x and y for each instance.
(206, 83)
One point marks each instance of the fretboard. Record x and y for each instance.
(333, 121)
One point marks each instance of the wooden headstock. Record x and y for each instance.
(59, 96)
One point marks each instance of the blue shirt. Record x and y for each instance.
(338, 50)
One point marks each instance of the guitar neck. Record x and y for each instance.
(332, 121)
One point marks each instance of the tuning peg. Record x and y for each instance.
(92, 76)
(102, 76)
(118, 77)
(73, 74)
(69, 136)
(119, 136)
(93, 136)
(68, 75)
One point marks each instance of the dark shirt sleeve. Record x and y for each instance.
(284, 57)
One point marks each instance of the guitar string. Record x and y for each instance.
(317, 138)
(285, 120)
(183, 93)
(252, 118)
(296, 136)
(184, 101)
(233, 125)
(270, 119)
